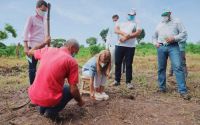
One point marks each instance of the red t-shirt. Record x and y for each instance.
(56, 64)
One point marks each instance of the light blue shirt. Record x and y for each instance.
(91, 66)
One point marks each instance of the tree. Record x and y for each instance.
(7, 29)
(104, 34)
(57, 42)
(91, 41)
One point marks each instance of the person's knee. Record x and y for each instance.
(177, 67)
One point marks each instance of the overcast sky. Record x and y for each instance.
(81, 19)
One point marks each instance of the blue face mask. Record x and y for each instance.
(131, 17)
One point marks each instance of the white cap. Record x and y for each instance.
(132, 12)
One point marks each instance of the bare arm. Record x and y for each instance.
(76, 95)
(46, 42)
(26, 49)
(135, 34)
(130, 36)
(119, 32)
(91, 87)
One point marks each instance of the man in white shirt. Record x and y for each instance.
(125, 48)
(112, 39)
(169, 33)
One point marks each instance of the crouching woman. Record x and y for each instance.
(97, 69)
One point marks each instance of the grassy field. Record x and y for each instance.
(140, 106)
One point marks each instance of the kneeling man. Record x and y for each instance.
(48, 90)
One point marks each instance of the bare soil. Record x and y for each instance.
(140, 106)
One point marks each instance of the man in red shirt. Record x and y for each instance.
(56, 64)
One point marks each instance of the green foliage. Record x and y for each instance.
(2, 45)
(7, 29)
(91, 41)
(83, 53)
(3, 35)
(94, 49)
(104, 34)
(144, 49)
(193, 48)
(57, 42)
(11, 51)
(11, 30)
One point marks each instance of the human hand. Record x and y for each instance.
(48, 40)
(157, 45)
(170, 39)
(123, 39)
(92, 95)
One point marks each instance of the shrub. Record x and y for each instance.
(94, 49)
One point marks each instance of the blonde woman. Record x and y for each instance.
(98, 69)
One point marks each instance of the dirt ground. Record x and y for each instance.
(140, 106)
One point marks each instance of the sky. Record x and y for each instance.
(81, 19)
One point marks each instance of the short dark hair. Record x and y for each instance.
(40, 3)
(115, 16)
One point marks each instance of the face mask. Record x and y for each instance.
(165, 19)
(40, 12)
(131, 17)
(102, 64)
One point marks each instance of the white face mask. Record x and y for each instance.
(165, 19)
(40, 12)
(102, 64)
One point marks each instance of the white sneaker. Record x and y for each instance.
(98, 96)
(129, 86)
(105, 96)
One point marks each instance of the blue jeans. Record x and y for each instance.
(126, 54)
(183, 61)
(32, 69)
(63, 102)
(173, 52)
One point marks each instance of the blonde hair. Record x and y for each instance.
(105, 70)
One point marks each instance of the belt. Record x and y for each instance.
(168, 44)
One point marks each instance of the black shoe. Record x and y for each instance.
(185, 96)
(53, 116)
(42, 110)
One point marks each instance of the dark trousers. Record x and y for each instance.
(63, 102)
(126, 53)
(123, 66)
(32, 69)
